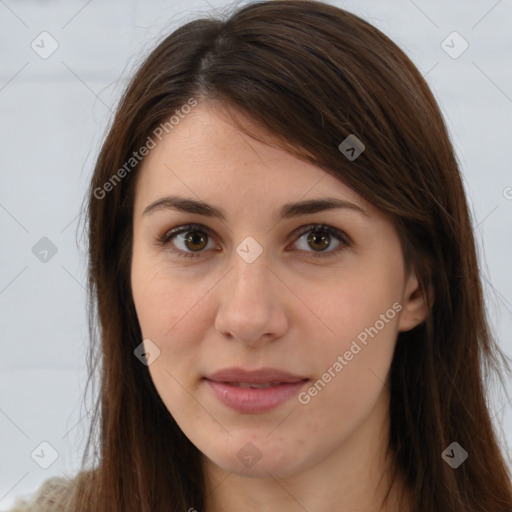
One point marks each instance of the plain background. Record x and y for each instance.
(54, 112)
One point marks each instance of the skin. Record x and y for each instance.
(284, 310)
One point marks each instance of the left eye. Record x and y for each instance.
(197, 238)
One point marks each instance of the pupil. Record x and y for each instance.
(194, 238)
(324, 240)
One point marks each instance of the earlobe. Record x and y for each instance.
(415, 308)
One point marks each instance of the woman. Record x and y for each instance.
(285, 275)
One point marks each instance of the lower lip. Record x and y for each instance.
(254, 400)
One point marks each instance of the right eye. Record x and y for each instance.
(195, 235)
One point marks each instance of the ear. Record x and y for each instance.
(414, 304)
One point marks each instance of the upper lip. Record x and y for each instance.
(261, 376)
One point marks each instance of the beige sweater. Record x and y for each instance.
(51, 496)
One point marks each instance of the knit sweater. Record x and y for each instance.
(51, 496)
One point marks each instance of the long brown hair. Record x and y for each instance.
(311, 74)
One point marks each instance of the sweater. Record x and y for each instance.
(51, 496)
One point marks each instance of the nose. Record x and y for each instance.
(251, 303)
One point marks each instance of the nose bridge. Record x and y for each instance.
(249, 280)
(249, 306)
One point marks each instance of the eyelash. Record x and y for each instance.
(168, 236)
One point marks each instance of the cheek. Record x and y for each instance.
(163, 300)
(171, 314)
(352, 362)
(163, 309)
(360, 301)
(350, 378)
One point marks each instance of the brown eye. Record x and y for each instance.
(319, 242)
(190, 245)
(195, 240)
(320, 238)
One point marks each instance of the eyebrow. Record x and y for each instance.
(287, 211)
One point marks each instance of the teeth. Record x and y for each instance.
(252, 385)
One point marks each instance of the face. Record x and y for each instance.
(312, 298)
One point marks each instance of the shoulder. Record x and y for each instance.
(51, 496)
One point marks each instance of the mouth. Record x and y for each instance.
(254, 385)
(254, 391)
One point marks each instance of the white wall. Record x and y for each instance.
(54, 112)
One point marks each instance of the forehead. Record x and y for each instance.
(206, 155)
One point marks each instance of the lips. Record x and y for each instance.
(254, 385)
(253, 378)
(254, 391)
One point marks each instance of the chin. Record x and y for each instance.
(246, 459)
